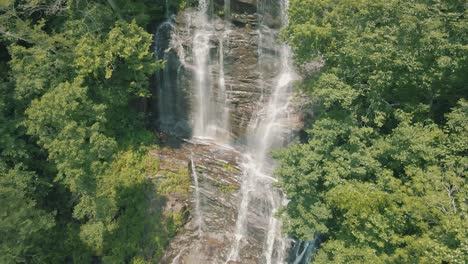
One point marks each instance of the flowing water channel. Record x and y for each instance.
(209, 116)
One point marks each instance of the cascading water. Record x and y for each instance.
(209, 122)
(267, 132)
(198, 212)
(212, 56)
(171, 101)
(166, 91)
(222, 95)
(303, 251)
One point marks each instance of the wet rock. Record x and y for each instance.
(219, 26)
(244, 6)
(243, 20)
(219, 177)
(249, 72)
(236, 6)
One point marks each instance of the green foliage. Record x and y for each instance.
(123, 60)
(33, 67)
(69, 126)
(124, 220)
(73, 149)
(392, 54)
(395, 197)
(143, 11)
(382, 175)
(227, 188)
(177, 5)
(176, 183)
(22, 223)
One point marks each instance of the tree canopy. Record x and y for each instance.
(378, 178)
(73, 146)
(381, 176)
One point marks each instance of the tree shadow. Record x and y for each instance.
(141, 228)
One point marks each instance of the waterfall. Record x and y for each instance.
(222, 95)
(171, 101)
(204, 106)
(227, 9)
(208, 120)
(266, 132)
(304, 256)
(198, 212)
(176, 260)
(208, 50)
(166, 93)
(300, 256)
(167, 6)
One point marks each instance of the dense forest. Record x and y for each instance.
(378, 176)
(73, 136)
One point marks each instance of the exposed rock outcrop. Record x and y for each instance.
(219, 177)
(243, 47)
(248, 71)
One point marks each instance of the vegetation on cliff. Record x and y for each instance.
(381, 176)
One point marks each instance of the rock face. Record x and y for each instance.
(227, 59)
(240, 58)
(207, 235)
(210, 225)
(248, 59)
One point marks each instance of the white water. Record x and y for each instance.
(267, 132)
(301, 255)
(176, 260)
(209, 122)
(198, 212)
(304, 256)
(203, 90)
(222, 95)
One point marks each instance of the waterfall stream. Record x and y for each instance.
(266, 132)
(208, 66)
(198, 212)
(210, 116)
